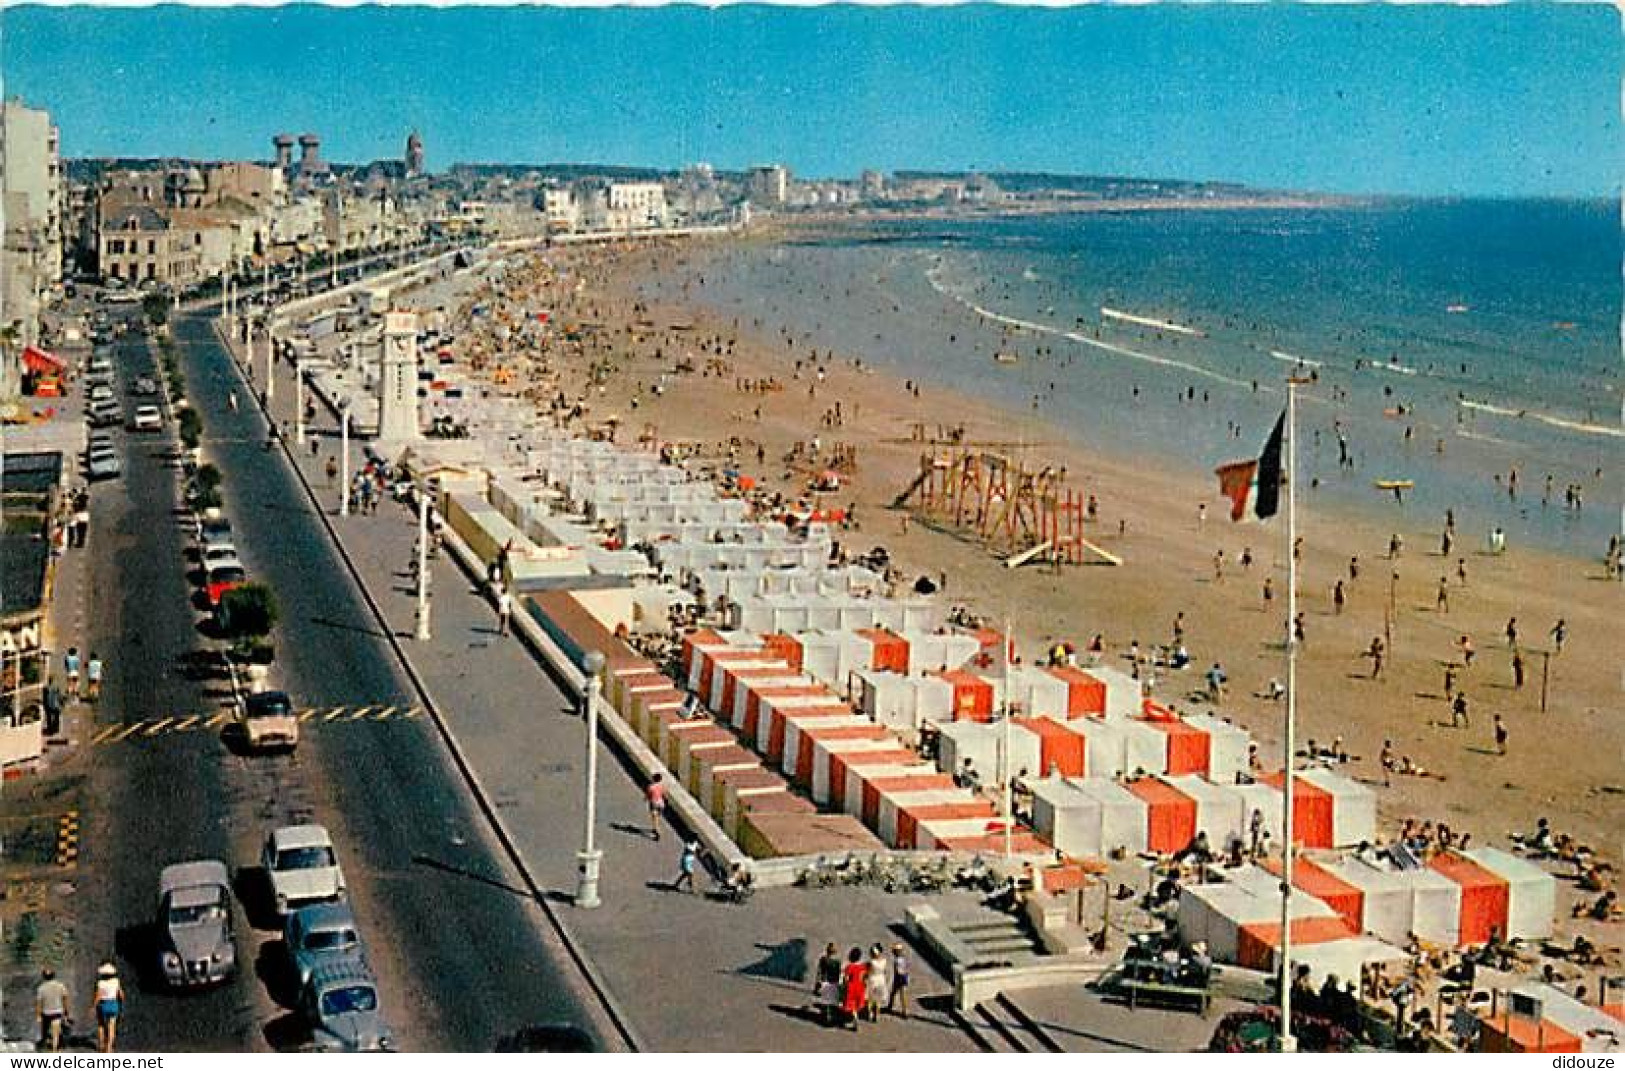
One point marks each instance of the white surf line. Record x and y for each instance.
(1146, 321)
(1292, 358)
(1396, 369)
(1548, 419)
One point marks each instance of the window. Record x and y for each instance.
(152, 247)
(115, 245)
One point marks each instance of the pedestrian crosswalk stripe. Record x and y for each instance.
(153, 728)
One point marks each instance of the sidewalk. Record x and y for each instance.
(521, 735)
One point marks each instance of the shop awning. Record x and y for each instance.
(42, 361)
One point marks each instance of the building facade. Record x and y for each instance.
(31, 206)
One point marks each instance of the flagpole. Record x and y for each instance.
(1009, 710)
(1289, 1043)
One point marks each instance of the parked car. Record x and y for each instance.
(269, 721)
(104, 466)
(213, 532)
(218, 581)
(101, 392)
(104, 415)
(145, 387)
(147, 418)
(340, 1004)
(320, 934)
(301, 867)
(196, 945)
(219, 555)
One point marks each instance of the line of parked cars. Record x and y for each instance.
(104, 411)
(324, 958)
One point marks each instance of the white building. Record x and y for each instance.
(398, 378)
(30, 213)
(561, 208)
(635, 205)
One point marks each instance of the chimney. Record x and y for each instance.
(283, 143)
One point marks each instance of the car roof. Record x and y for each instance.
(306, 836)
(326, 917)
(193, 874)
(258, 701)
(340, 971)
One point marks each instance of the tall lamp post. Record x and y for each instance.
(270, 370)
(588, 859)
(422, 631)
(298, 402)
(344, 457)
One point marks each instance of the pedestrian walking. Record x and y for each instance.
(1298, 633)
(877, 983)
(685, 866)
(504, 610)
(81, 522)
(70, 667)
(853, 988)
(655, 796)
(1461, 571)
(1354, 569)
(93, 678)
(1395, 545)
(1559, 633)
(1466, 645)
(1246, 557)
(51, 1001)
(1458, 711)
(1500, 736)
(1218, 567)
(897, 1001)
(1269, 594)
(1446, 543)
(1442, 603)
(1517, 669)
(332, 470)
(1375, 653)
(1449, 681)
(1339, 597)
(109, 1006)
(1512, 632)
(1386, 758)
(827, 985)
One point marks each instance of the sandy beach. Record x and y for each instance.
(1564, 763)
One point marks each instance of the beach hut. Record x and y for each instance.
(887, 650)
(1258, 943)
(1123, 819)
(1227, 747)
(1067, 817)
(745, 708)
(802, 727)
(759, 697)
(901, 701)
(1170, 814)
(743, 805)
(1342, 897)
(1216, 912)
(1185, 749)
(1386, 901)
(885, 797)
(1061, 751)
(1035, 690)
(1218, 809)
(1123, 692)
(1435, 905)
(709, 764)
(1531, 893)
(691, 747)
(972, 695)
(983, 744)
(1311, 810)
(1344, 958)
(1103, 747)
(1354, 806)
(1085, 694)
(861, 798)
(735, 677)
(737, 783)
(836, 765)
(925, 825)
(930, 652)
(1145, 747)
(1484, 897)
(771, 727)
(1535, 1017)
(646, 703)
(714, 690)
(893, 804)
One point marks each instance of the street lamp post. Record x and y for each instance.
(298, 402)
(422, 632)
(344, 457)
(588, 859)
(270, 370)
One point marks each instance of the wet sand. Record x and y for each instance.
(1565, 763)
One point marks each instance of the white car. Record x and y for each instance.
(147, 418)
(301, 868)
(219, 555)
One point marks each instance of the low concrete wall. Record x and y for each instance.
(973, 987)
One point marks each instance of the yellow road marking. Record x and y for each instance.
(332, 715)
(386, 713)
(101, 737)
(186, 724)
(217, 720)
(361, 712)
(411, 712)
(306, 715)
(126, 732)
(154, 728)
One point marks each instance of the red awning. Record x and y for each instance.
(38, 360)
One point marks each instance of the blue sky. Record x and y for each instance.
(1520, 100)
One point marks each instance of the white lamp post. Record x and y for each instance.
(589, 858)
(270, 371)
(344, 457)
(422, 632)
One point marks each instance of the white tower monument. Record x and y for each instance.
(398, 378)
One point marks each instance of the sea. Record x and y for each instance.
(1470, 347)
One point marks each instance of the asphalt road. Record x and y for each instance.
(462, 955)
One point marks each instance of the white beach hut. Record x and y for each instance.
(1531, 893)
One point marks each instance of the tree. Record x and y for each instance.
(156, 306)
(191, 428)
(247, 615)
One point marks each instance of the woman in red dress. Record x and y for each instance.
(854, 978)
